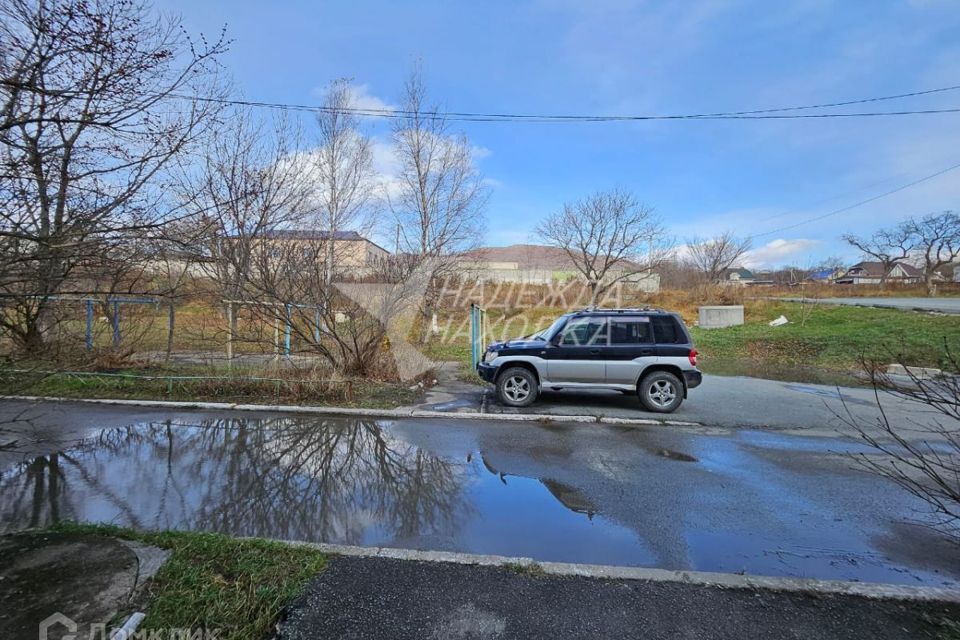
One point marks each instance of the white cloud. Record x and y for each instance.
(360, 98)
(777, 252)
(480, 152)
(386, 164)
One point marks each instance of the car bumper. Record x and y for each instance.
(692, 378)
(487, 371)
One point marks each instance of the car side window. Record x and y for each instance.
(583, 332)
(626, 331)
(665, 330)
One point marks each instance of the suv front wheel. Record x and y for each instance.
(661, 392)
(517, 387)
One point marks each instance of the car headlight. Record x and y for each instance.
(489, 356)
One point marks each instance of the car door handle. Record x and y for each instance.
(594, 351)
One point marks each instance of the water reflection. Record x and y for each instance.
(757, 502)
(291, 478)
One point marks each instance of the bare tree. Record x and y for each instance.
(344, 170)
(439, 197)
(936, 239)
(712, 256)
(923, 458)
(93, 112)
(609, 237)
(247, 185)
(886, 246)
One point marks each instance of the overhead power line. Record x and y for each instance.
(779, 113)
(856, 204)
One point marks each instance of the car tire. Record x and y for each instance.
(660, 392)
(517, 387)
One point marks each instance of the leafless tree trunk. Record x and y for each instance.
(608, 237)
(92, 113)
(713, 256)
(344, 172)
(439, 198)
(250, 183)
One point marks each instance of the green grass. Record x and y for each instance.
(244, 386)
(458, 352)
(533, 569)
(833, 338)
(213, 581)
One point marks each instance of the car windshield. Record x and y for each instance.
(549, 332)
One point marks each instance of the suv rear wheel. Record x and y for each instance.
(517, 387)
(661, 392)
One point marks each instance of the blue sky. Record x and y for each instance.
(653, 57)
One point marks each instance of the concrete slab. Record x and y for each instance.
(87, 579)
(718, 317)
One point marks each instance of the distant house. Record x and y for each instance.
(822, 275)
(951, 272)
(353, 253)
(825, 276)
(538, 264)
(738, 276)
(870, 272)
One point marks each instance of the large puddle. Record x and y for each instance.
(675, 503)
(349, 482)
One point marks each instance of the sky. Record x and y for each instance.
(613, 57)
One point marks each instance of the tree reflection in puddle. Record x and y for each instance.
(338, 480)
(290, 478)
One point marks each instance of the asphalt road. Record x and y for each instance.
(387, 599)
(941, 305)
(735, 401)
(685, 498)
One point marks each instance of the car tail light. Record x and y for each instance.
(692, 356)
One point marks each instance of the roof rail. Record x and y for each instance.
(594, 309)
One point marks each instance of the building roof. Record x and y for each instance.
(528, 256)
(910, 270)
(874, 269)
(745, 274)
(532, 256)
(868, 268)
(310, 234)
(316, 235)
(821, 274)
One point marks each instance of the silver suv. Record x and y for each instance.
(644, 351)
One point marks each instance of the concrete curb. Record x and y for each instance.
(701, 578)
(351, 411)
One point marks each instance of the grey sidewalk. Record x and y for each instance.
(385, 599)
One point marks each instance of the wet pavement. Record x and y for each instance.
(738, 401)
(709, 499)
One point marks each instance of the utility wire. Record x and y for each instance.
(466, 116)
(777, 113)
(856, 204)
